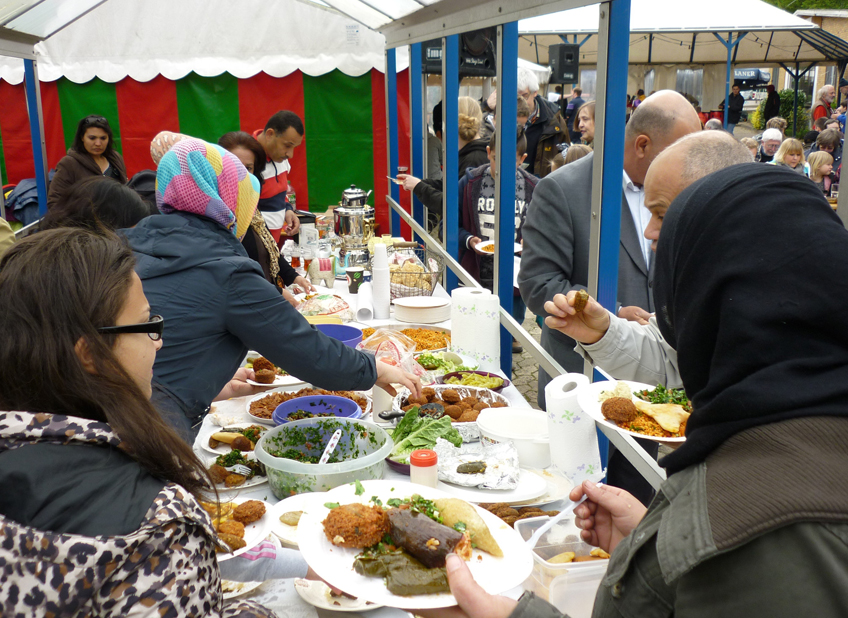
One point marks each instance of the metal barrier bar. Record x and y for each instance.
(27, 230)
(418, 127)
(450, 118)
(36, 129)
(634, 453)
(392, 132)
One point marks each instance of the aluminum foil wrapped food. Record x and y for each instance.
(488, 466)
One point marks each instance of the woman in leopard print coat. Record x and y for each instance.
(99, 510)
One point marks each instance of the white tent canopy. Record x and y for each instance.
(676, 32)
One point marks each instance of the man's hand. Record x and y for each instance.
(473, 242)
(472, 600)
(292, 223)
(409, 182)
(634, 314)
(608, 515)
(587, 327)
(238, 386)
(304, 284)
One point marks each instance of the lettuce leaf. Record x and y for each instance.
(424, 435)
(407, 424)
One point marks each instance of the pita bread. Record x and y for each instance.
(669, 416)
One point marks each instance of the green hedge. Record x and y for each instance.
(787, 97)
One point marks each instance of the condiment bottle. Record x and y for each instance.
(422, 467)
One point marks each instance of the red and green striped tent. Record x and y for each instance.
(344, 117)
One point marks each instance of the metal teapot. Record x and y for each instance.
(354, 196)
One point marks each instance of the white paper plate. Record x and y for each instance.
(236, 589)
(288, 534)
(530, 485)
(423, 309)
(317, 594)
(221, 449)
(491, 243)
(286, 380)
(334, 564)
(253, 533)
(268, 421)
(558, 488)
(588, 401)
(248, 484)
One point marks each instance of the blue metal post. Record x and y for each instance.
(450, 88)
(33, 99)
(416, 112)
(730, 44)
(618, 58)
(392, 133)
(505, 159)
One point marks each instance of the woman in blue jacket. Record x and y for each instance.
(217, 301)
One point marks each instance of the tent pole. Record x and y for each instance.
(450, 118)
(36, 129)
(507, 59)
(795, 104)
(418, 128)
(392, 133)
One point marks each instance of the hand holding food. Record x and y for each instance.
(389, 374)
(238, 386)
(586, 326)
(304, 284)
(409, 182)
(608, 515)
(473, 242)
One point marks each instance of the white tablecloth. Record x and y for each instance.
(280, 595)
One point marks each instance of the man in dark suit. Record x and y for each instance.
(556, 232)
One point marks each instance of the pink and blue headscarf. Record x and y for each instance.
(206, 180)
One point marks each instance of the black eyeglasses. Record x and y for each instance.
(153, 328)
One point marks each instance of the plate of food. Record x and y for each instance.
(320, 595)
(232, 590)
(261, 407)
(482, 379)
(641, 410)
(285, 516)
(241, 524)
(377, 541)
(427, 338)
(488, 246)
(268, 374)
(228, 478)
(238, 436)
(440, 363)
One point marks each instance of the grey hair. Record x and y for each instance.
(714, 124)
(770, 134)
(709, 151)
(527, 80)
(822, 91)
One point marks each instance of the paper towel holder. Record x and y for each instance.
(568, 387)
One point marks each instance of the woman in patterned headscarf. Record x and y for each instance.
(217, 301)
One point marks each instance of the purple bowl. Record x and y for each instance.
(317, 404)
(459, 374)
(348, 335)
(402, 468)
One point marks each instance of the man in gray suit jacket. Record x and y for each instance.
(555, 258)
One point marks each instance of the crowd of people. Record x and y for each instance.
(726, 245)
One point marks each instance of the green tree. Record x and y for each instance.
(787, 97)
(798, 5)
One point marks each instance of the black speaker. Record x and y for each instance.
(476, 54)
(565, 63)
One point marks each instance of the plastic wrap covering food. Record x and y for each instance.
(326, 304)
(395, 348)
(488, 466)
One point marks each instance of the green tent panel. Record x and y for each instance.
(339, 129)
(208, 106)
(80, 100)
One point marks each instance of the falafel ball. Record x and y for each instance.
(262, 363)
(248, 512)
(265, 376)
(356, 525)
(429, 393)
(453, 411)
(619, 410)
(469, 416)
(451, 396)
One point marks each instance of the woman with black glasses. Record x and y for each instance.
(99, 507)
(92, 154)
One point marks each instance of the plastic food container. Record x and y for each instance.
(362, 448)
(526, 428)
(570, 587)
(486, 374)
(348, 335)
(317, 404)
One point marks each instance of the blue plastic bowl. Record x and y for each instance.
(317, 404)
(348, 335)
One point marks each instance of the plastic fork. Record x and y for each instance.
(239, 469)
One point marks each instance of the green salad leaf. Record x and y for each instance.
(424, 435)
(359, 488)
(407, 424)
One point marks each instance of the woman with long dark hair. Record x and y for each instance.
(97, 202)
(92, 154)
(99, 496)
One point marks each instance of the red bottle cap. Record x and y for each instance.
(423, 458)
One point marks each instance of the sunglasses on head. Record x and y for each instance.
(154, 328)
(95, 120)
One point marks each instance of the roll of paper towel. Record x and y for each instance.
(364, 303)
(574, 439)
(475, 326)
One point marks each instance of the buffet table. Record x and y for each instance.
(280, 595)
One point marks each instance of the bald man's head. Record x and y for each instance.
(661, 119)
(688, 159)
